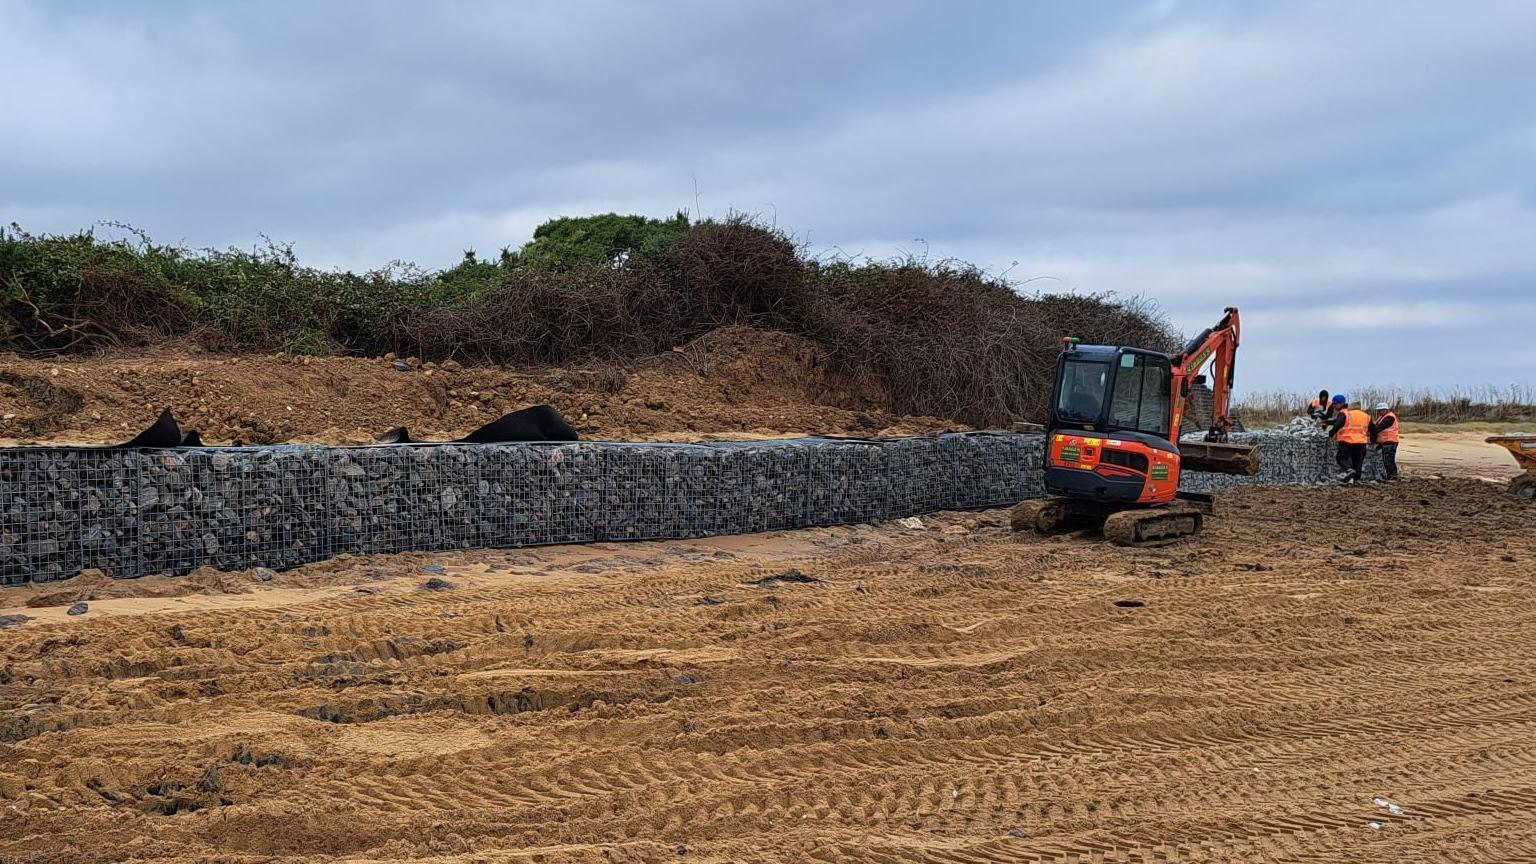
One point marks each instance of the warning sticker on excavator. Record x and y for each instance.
(1160, 472)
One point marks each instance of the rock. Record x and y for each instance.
(265, 574)
(435, 568)
(13, 620)
(788, 576)
(78, 609)
(399, 367)
(436, 584)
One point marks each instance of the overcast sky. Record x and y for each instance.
(1358, 177)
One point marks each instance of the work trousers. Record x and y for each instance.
(1351, 459)
(1389, 459)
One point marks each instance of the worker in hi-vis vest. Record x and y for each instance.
(1351, 427)
(1386, 432)
(1319, 407)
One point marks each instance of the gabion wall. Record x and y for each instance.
(130, 513)
(1297, 455)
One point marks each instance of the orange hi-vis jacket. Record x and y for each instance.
(1391, 434)
(1357, 427)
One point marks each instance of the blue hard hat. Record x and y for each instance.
(1339, 399)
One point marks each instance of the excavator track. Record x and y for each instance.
(1157, 526)
(1055, 515)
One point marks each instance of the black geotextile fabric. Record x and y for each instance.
(537, 423)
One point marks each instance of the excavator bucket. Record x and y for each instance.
(1523, 448)
(1240, 459)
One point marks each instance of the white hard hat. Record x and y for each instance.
(1382, 406)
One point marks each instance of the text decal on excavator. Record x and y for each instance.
(1071, 451)
(1199, 360)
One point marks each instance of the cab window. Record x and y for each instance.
(1082, 390)
(1141, 396)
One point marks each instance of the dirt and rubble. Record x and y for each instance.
(1327, 674)
(733, 382)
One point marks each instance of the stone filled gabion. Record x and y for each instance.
(285, 506)
(919, 477)
(191, 510)
(36, 522)
(1291, 455)
(992, 469)
(659, 491)
(762, 486)
(107, 510)
(848, 482)
(370, 499)
(136, 512)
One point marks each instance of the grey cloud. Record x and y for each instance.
(1289, 157)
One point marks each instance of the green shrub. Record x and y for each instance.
(608, 240)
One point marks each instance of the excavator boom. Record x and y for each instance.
(1216, 346)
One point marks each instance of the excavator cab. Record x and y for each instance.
(1109, 429)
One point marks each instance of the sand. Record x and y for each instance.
(949, 693)
(1456, 454)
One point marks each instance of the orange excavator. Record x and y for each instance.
(1113, 455)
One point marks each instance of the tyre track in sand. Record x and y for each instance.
(975, 696)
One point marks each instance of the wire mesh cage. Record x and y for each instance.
(919, 476)
(659, 491)
(107, 507)
(191, 510)
(847, 481)
(432, 480)
(369, 499)
(763, 486)
(465, 506)
(977, 483)
(38, 527)
(133, 512)
(285, 507)
(535, 494)
(1017, 461)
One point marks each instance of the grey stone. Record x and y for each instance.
(78, 609)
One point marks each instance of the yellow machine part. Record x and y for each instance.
(1522, 446)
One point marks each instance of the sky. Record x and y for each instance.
(1359, 178)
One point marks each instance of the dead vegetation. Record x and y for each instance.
(938, 339)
